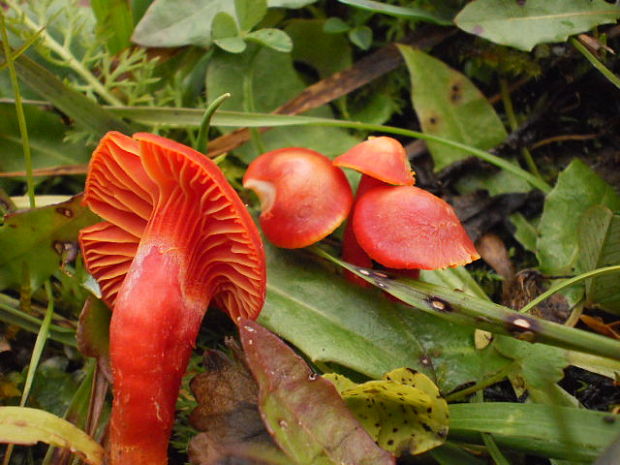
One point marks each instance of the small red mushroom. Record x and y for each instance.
(175, 237)
(406, 227)
(382, 161)
(303, 196)
(382, 158)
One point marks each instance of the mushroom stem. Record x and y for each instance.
(152, 333)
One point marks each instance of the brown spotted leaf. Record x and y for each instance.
(404, 411)
(37, 242)
(304, 412)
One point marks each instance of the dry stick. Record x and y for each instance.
(339, 84)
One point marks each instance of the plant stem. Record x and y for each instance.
(494, 451)
(514, 125)
(203, 133)
(19, 110)
(567, 283)
(67, 56)
(468, 310)
(595, 62)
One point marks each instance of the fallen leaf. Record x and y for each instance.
(303, 411)
(404, 411)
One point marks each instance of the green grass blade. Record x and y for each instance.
(184, 117)
(19, 109)
(86, 113)
(556, 432)
(472, 311)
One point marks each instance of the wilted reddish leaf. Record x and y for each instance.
(304, 412)
(228, 416)
(93, 335)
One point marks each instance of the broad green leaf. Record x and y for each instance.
(250, 12)
(523, 25)
(599, 246)
(399, 11)
(540, 367)
(403, 411)
(548, 430)
(311, 41)
(54, 385)
(227, 73)
(27, 426)
(114, 23)
(332, 321)
(525, 231)
(174, 23)
(36, 242)
(224, 26)
(335, 25)
(275, 39)
(231, 44)
(450, 106)
(576, 190)
(46, 136)
(327, 432)
(450, 454)
(86, 113)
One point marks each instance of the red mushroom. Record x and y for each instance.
(176, 237)
(382, 161)
(303, 196)
(405, 227)
(382, 158)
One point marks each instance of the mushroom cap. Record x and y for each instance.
(406, 227)
(303, 196)
(383, 158)
(149, 188)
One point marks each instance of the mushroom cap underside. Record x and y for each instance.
(149, 188)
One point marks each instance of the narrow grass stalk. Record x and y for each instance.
(567, 283)
(595, 62)
(35, 358)
(485, 383)
(494, 451)
(19, 110)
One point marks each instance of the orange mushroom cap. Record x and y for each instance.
(406, 227)
(152, 188)
(383, 158)
(303, 196)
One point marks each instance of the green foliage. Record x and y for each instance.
(525, 25)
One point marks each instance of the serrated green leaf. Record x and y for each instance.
(325, 434)
(27, 426)
(599, 246)
(576, 190)
(275, 39)
(332, 321)
(403, 411)
(38, 240)
(523, 25)
(174, 23)
(450, 106)
(569, 433)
